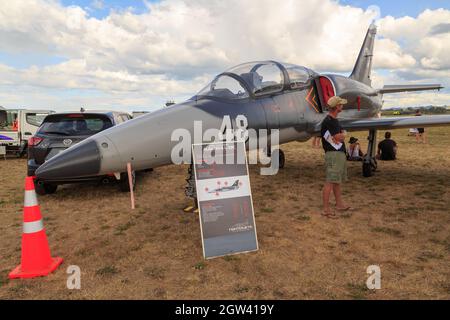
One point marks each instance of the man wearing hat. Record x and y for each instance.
(333, 137)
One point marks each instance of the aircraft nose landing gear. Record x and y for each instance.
(370, 162)
(281, 158)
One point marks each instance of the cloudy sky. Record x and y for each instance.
(136, 55)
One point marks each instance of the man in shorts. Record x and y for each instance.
(333, 137)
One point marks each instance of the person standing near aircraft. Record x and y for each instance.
(333, 137)
(420, 134)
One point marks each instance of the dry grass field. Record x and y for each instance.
(401, 222)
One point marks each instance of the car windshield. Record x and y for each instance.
(225, 87)
(75, 124)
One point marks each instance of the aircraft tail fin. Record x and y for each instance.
(363, 66)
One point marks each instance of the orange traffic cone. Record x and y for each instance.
(36, 259)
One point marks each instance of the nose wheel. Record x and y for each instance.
(124, 183)
(281, 158)
(370, 162)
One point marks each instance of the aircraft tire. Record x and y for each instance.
(123, 182)
(43, 188)
(282, 159)
(367, 169)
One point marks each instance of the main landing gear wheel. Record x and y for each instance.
(369, 162)
(124, 185)
(369, 167)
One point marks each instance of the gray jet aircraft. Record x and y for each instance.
(270, 94)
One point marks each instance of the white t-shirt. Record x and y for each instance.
(355, 152)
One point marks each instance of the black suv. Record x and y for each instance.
(60, 131)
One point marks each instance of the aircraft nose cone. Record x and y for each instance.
(81, 160)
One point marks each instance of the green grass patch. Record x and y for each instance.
(154, 272)
(231, 258)
(107, 271)
(122, 228)
(357, 291)
(240, 289)
(389, 231)
(427, 255)
(4, 277)
(200, 266)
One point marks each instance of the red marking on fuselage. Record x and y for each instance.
(311, 99)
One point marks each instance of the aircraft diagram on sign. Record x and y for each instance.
(234, 186)
(270, 94)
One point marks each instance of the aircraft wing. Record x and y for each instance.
(395, 122)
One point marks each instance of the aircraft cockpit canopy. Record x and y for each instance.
(298, 75)
(224, 86)
(261, 77)
(257, 79)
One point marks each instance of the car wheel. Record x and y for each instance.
(124, 185)
(43, 188)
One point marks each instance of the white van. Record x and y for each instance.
(17, 126)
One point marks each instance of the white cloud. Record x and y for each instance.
(389, 55)
(98, 4)
(426, 38)
(171, 50)
(413, 99)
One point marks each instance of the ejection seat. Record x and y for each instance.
(253, 79)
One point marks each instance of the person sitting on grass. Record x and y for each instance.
(387, 149)
(354, 152)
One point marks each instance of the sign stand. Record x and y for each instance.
(130, 181)
(224, 198)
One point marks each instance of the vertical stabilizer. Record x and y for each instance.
(363, 66)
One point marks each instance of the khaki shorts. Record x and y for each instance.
(336, 164)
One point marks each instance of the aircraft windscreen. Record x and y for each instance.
(263, 77)
(224, 87)
(298, 75)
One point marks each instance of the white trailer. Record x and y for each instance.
(17, 126)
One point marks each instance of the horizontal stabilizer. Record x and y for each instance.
(395, 122)
(412, 87)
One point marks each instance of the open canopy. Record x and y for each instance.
(256, 79)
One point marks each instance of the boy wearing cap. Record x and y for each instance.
(333, 137)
